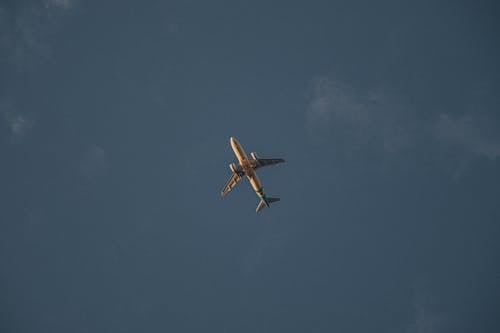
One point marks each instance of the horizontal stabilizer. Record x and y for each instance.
(269, 200)
(263, 203)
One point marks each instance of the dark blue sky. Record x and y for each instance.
(115, 118)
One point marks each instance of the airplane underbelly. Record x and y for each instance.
(255, 182)
(238, 151)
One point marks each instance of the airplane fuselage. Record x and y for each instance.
(246, 165)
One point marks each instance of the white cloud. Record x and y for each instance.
(426, 318)
(370, 122)
(365, 119)
(19, 124)
(63, 4)
(474, 133)
(24, 30)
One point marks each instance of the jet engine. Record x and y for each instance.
(232, 166)
(254, 155)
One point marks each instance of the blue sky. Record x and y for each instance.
(115, 120)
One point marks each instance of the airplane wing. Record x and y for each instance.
(233, 180)
(262, 162)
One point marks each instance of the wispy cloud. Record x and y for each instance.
(19, 124)
(63, 4)
(25, 30)
(371, 118)
(474, 133)
(426, 319)
(376, 121)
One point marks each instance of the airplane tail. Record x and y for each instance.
(265, 202)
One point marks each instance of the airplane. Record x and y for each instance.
(247, 168)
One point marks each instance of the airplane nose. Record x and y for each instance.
(231, 139)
